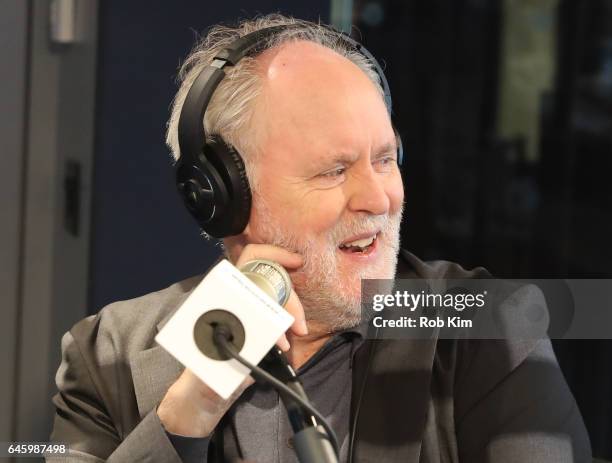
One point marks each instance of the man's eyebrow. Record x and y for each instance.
(347, 158)
(386, 148)
(336, 158)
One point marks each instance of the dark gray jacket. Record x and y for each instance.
(423, 401)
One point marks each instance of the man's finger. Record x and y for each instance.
(294, 307)
(287, 259)
(283, 343)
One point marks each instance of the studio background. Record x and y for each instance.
(504, 107)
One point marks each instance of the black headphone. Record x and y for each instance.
(210, 176)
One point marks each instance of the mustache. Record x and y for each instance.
(386, 225)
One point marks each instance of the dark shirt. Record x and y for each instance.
(259, 418)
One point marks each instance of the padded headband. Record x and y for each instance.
(191, 134)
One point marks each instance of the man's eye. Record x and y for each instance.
(334, 173)
(386, 162)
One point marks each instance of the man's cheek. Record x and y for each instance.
(321, 214)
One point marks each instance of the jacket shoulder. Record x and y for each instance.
(130, 325)
(96, 404)
(410, 266)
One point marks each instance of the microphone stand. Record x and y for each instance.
(311, 442)
(314, 440)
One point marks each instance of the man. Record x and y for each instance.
(309, 119)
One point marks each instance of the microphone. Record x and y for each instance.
(223, 312)
(268, 276)
(227, 298)
(219, 334)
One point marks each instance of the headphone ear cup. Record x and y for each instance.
(202, 190)
(233, 218)
(240, 209)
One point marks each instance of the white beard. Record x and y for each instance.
(332, 301)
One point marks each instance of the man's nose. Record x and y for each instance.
(368, 193)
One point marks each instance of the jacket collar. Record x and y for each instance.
(391, 391)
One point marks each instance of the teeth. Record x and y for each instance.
(360, 243)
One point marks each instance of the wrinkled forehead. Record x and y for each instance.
(298, 71)
(311, 91)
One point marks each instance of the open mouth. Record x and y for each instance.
(360, 246)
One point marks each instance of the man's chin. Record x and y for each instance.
(333, 324)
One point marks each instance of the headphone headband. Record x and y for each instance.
(192, 136)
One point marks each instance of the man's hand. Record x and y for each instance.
(291, 261)
(190, 407)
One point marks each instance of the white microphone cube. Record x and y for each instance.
(225, 288)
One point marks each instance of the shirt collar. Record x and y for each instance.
(355, 335)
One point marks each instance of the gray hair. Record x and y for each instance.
(231, 108)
